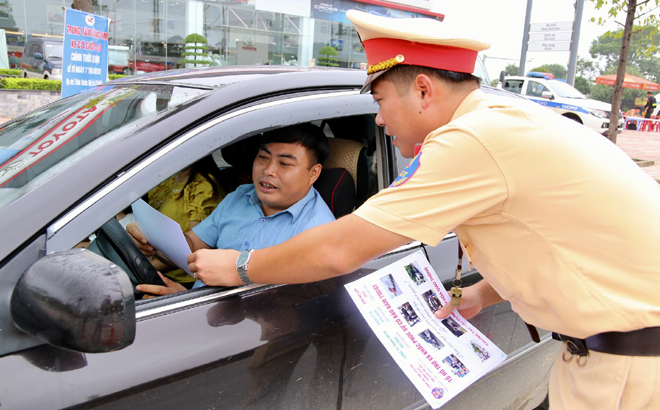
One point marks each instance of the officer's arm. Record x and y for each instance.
(322, 252)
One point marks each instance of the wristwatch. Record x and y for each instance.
(242, 266)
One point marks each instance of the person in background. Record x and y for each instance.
(650, 105)
(187, 197)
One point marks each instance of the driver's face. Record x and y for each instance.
(282, 175)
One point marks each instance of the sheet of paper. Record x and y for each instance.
(162, 233)
(440, 357)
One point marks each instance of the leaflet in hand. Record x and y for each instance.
(162, 233)
(440, 357)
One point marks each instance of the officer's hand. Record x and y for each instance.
(471, 304)
(139, 239)
(151, 291)
(215, 267)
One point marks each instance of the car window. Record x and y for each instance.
(564, 90)
(42, 143)
(54, 51)
(535, 89)
(353, 141)
(515, 86)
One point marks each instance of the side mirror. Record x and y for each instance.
(76, 300)
(38, 56)
(502, 78)
(548, 95)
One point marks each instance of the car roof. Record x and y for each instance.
(222, 76)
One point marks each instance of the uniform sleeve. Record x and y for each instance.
(453, 181)
(199, 199)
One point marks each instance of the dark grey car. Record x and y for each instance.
(84, 341)
(42, 58)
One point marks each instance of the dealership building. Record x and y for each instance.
(149, 35)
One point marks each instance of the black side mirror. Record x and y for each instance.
(502, 78)
(76, 300)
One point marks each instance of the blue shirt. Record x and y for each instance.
(239, 222)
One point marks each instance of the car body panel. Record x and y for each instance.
(293, 346)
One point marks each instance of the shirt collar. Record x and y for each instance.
(295, 210)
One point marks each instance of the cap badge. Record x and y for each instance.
(387, 64)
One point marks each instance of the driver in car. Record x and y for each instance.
(280, 203)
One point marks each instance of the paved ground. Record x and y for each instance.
(641, 145)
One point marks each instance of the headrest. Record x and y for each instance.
(337, 190)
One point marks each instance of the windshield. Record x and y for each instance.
(564, 90)
(44, 142)
(53, 51)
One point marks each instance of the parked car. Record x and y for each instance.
(139, 67)
(563, 99)
(72, 332)
(14, 62)
(42, 58)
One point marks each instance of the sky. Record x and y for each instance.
(502, 22)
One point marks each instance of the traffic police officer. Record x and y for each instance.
(557, 219)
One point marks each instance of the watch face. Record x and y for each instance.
(242, 258)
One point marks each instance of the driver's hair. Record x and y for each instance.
(403, 75)
(308, 135)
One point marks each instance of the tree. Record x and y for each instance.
(587, 68)
(511, 69)
(642, 12)
(558, 70)
(328, 59)
(582, 85)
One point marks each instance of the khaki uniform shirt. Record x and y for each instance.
(559, 220)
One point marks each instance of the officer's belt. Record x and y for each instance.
(641, 342)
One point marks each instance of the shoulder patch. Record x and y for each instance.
(408, 172)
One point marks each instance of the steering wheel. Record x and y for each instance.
(115, 244)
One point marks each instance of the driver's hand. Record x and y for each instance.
(151, 291)
(140, 240)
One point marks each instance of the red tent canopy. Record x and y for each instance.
(630, 81)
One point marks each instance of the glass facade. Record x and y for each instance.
(148, 35)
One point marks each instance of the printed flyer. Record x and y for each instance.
(440, 357)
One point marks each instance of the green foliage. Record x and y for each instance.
(9, 71)
(328, 58)
(116, 76)
(195, 38)
(511, 69)
(190, 51)
(582, 85)
(30, 84)
(587, 68)
(495, 82)
(558, 70)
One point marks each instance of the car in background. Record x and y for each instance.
(563, 99)
(75, 333)
(42, 58)
(14, 62)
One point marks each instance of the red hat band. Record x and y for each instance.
(379, 50)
